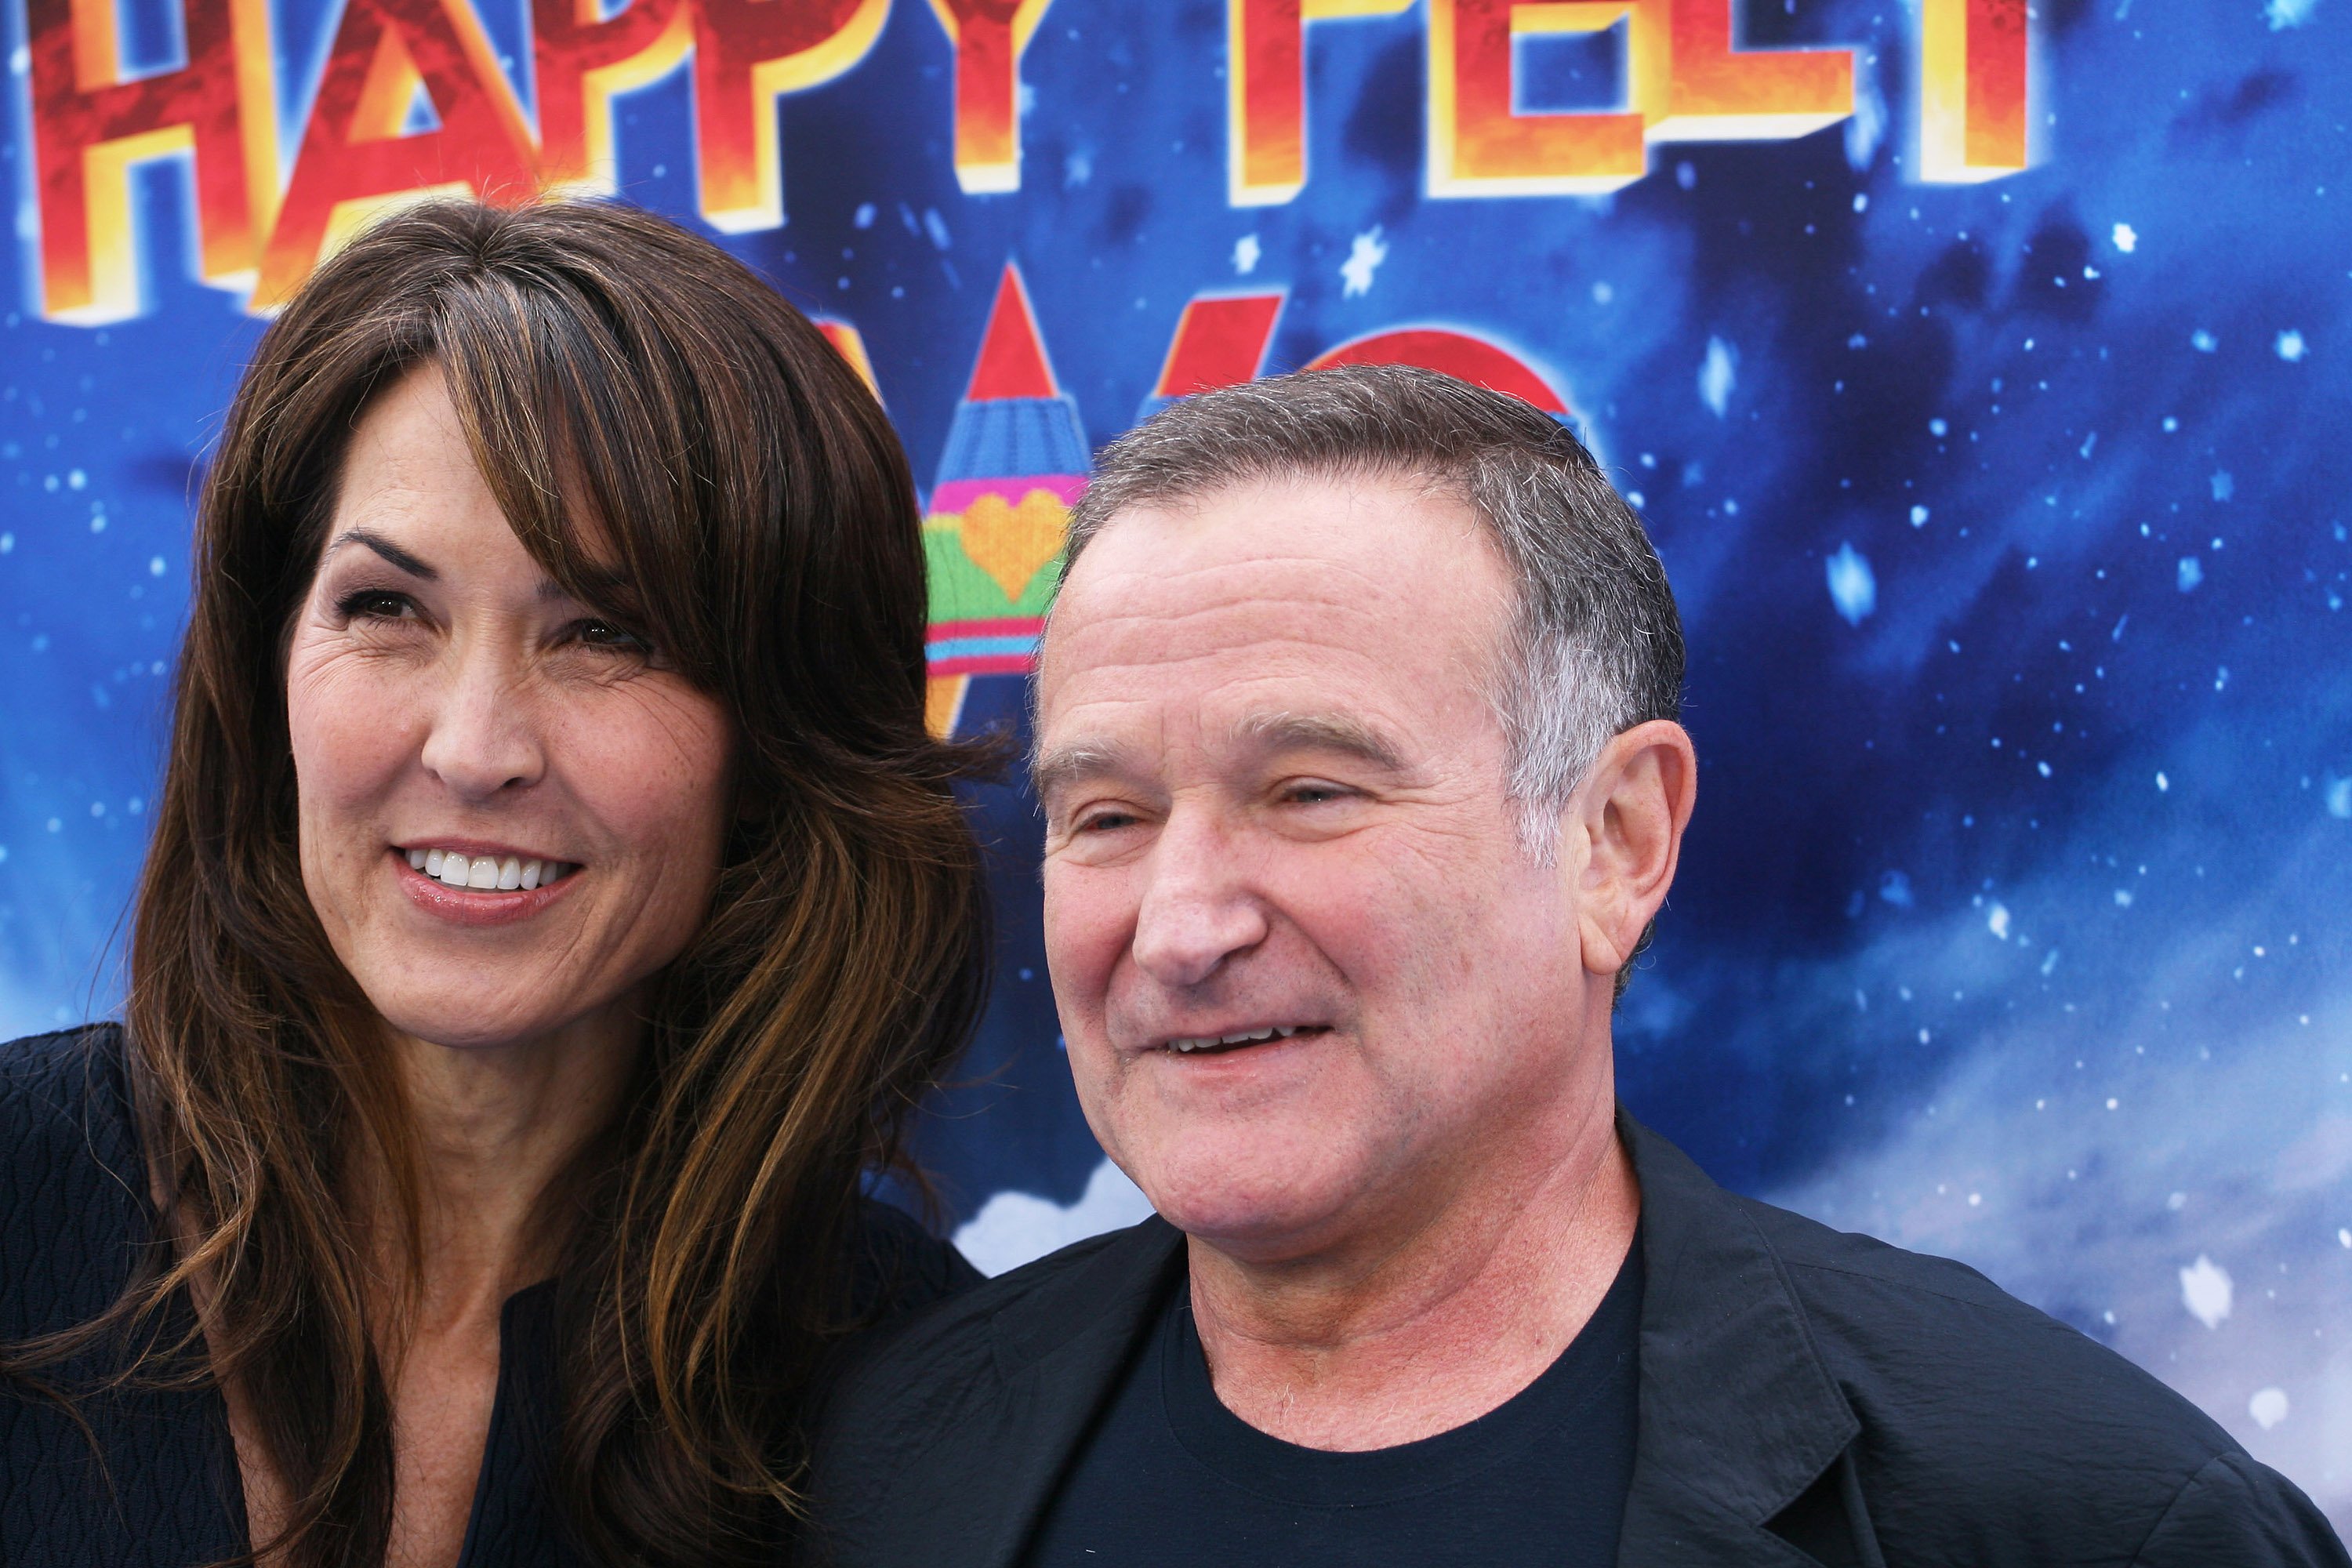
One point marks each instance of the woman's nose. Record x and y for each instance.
(485, 732)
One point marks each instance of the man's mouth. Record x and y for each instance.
(1190, 1045)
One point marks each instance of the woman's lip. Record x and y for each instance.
(474, 906)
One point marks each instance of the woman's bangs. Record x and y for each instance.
(582, 461)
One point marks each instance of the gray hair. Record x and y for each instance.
(1594, 646)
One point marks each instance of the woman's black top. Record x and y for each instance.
(142, 1476)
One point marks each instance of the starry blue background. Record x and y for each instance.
(2008, 522)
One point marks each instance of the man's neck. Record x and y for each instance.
(1370, 1346)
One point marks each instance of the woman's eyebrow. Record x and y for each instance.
(388, 550)
(602, 583)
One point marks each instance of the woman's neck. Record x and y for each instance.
(492, 1128)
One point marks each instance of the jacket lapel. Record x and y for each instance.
(1058, 1356)
(1738, 1415)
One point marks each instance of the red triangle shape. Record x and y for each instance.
(1012, 358)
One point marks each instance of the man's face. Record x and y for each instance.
(1276, 806)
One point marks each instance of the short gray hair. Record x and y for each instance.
(1595, 645)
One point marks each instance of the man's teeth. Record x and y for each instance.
(1246, 1037)
(489, 872)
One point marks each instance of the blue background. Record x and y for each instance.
(2008, 522)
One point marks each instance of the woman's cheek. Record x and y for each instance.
(652, 765)
(350, 725)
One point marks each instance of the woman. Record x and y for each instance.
(555, 898)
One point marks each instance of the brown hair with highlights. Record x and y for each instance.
(613, 373)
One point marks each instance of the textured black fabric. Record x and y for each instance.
(1800, 1389)
(153, 1483)
(1539, 1481)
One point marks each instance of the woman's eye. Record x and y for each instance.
(373, 605)
(605, 634)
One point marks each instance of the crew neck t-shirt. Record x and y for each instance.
(1173, 1479)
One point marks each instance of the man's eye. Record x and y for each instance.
(1314, 794)
(1104, 822)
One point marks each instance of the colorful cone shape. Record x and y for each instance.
(1015, 463)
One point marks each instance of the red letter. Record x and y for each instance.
(1266, 91)
(850, 345)
(1220, 341)
(1973, 69)
(583, 59)
(355, 164)
(1456, 354)
(1479, 147)
(1713, 92)
(989, 37)
(745, 53)
(90, 126)
(1687, 82)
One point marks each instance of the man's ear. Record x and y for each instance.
(1630, 812)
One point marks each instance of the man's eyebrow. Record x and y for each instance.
(1066, 765)
(384, 547)
(1339, 733)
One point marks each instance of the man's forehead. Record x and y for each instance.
(1330, 562)
(1249, 623)
(1332, 518)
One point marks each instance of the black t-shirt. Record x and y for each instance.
(1173, 1479)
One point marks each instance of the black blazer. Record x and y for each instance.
(147, 1476)
(1807, 1397)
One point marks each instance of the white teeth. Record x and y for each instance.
(1245, 1038)
(488, 873)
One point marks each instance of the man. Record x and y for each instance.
(1355, 744)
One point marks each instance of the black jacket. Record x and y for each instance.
(1807, 1397)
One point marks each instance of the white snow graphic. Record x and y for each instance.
(1013, 1228)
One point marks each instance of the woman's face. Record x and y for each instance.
(511, 811)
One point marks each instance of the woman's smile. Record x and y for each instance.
(480, 889)
(486, 871)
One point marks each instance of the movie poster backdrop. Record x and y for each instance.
(1980, 369)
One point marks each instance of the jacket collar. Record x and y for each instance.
(1738, 1412)
(1079, 1333)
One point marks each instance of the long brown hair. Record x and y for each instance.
(610, 371)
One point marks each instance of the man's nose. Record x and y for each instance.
(1197, 908)
(486, 731)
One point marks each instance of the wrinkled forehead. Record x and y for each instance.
(1376, 596)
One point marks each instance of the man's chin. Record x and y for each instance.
(1252, 1211)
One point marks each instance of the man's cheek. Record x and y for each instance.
(1084, 934)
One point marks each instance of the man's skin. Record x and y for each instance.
(1276, 795)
